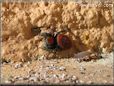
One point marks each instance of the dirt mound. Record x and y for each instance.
(91, 28)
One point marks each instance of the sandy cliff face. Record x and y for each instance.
(91, 28)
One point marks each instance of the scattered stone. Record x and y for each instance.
(37, 74)
(89, 82)
(20, 78)
(74, 78)
(62, 68)
(16, 77)
(82, 70)
(8, 82)
(33, 79)
(62, 77)
(79, 60)
(26, 64)
(42, 57)
(105, 81)
(52, 67)
(55, 76)
(77, 81)
(81, 82)
(67, 82)
(28, 76)
(18, 65)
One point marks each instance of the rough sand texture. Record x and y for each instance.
(59, 71)
(91, 28)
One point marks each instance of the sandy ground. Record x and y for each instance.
(98, 72)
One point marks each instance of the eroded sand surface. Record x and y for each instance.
(91, 28)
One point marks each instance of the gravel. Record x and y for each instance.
(33, 79)
(89, 82)
(82, 70)
(18, 65)
(52, 73)
(62, 68)
(44, 77)
(8, 82)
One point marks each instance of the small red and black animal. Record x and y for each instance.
(56, 42)
(49, 41)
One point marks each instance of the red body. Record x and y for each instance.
(50, 40)
(63, 41)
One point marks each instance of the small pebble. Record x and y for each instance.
(33, 79)
(63, 76)
(105, 81)
(79, 60)
(18, 65)
(89, 82)
(62, 68)
(82, 68)
(55, 76)
(67, 82)
(8, 82)
(20, 78)
(42, 57)
(16, 77)
(28, 76)
(81, 82)
(74, 78)
(26, 64)
(36, 74)
(82, 72)
(77, 81)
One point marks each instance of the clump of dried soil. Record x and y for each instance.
(91, 28)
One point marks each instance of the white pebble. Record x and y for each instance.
(55, 76)
(7, 81)
(62, 68)
(16, 77)
(81, 81)
(63, 76)
(36, 74)
(20, 78)
(77, 81)
(42, 57)
(18, 65)
(105, 81)
(74, 77)
(89, 82)
(33, 79)
(82, 68)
